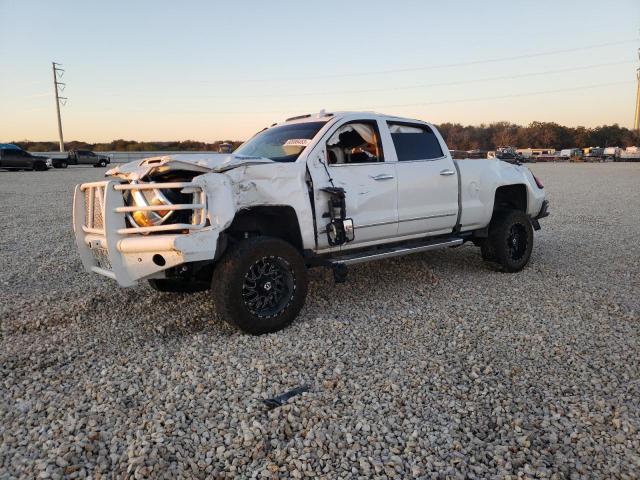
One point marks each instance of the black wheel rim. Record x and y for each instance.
(517, 241)
(268, 287)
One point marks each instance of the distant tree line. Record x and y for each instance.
(535, 135)
(458, 137)
(127, 146)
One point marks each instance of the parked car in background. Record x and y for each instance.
(508, 154)
(58, 162)
(81, 157)
(87, 157)
(225, 147)
(13, 157)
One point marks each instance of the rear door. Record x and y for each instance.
(353, 156)
(427, 180)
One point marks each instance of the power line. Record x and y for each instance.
(515, 95)
(438, 102)
(409, 87)
(636, 120)
(465, 82)
(433, 67)
(377, 90)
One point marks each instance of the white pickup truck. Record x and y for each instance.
(331, 189)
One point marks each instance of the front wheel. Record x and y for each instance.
(510, 241)
(103, 163)
(260, 285)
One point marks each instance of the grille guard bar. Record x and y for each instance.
(101, 231)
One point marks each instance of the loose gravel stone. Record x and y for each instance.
(429, 366)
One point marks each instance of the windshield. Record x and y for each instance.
(281, 144)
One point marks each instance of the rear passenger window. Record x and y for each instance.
(414, 142)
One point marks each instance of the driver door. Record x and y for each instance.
(353, 157)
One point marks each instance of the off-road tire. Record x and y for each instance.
(510, 241)
(234, 282)
(178, 285)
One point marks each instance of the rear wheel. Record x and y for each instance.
(103, 163)
(260, 285)
(63, 165)
(510, 241)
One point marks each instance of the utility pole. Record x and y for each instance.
(636, 120)
(59, 87)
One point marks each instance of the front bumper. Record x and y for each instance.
(109, 247)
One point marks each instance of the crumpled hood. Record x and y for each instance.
(196, 162)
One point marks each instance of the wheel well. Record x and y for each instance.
(511, 197)
(278, 221)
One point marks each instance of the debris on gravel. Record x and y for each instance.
(428, 366)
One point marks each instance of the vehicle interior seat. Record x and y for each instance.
(359, 157)
(351, 139)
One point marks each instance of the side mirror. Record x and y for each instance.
(340, 231)
(349, 231)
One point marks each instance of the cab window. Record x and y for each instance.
(283, 143)
(355, 143)
(414, 142)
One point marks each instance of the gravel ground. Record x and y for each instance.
(425, 366)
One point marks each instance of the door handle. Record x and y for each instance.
(382, 176)
(446, 172)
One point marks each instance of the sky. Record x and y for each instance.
(213, 70)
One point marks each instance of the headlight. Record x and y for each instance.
(147, 218)
(155, 197)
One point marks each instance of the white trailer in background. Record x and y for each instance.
(610, 154)
(630, 154)
(538, 154)
(574, 154)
